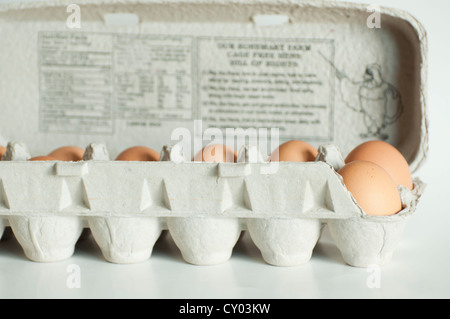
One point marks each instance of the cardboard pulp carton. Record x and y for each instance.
(108, 75)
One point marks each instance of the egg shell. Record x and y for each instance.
(386, 156)
(216, 153)
(42, 158)
(68, 154)
(140, 154)
(294, 151)
(2, 151)
(372, 187)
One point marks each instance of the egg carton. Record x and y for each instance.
(204, 206)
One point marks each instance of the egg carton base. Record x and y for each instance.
(363, 241)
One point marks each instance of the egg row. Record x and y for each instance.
(372, 173)
(203, 241)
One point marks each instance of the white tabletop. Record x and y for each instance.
(420, 268)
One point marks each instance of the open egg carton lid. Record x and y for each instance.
(126, 73)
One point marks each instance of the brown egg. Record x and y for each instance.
(140, 154)
(372, 187)
(386, 156)
(216, 153)
(2, 151)
(42, 158)
(68, 154)
(294, 151)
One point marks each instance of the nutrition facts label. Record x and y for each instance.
(90, 80)
(76, 83)
(92, 83)
(153, 77)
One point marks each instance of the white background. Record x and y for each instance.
(420, 269)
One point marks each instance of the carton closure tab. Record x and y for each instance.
(72, 169)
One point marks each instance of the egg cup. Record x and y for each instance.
(285, 242)
(46, 238)
(205, 241)
(124, 240)
(367, 242)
